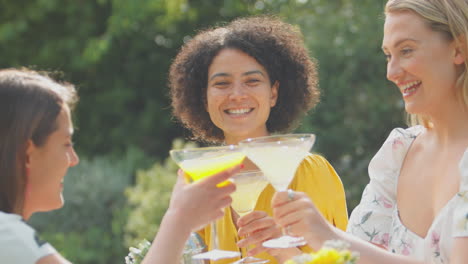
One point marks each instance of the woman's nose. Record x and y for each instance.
(237, 91)
(74, 159)
(394, 70)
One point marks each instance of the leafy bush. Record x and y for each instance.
(149, 197)
(89, 228)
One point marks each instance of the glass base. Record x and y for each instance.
(285, 242)
(217, 254)
(251, 260)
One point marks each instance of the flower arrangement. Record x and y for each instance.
(332, 252)
(136, 255)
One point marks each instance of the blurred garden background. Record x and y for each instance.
(117, 52)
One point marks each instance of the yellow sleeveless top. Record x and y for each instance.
(315, 177)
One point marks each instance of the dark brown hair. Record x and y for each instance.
(30, 103)
(276, 45)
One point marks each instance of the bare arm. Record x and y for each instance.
(192, 206)
(303, 219)
(459, 253)
(370, 253)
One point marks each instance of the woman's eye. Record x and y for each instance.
(387, 57)
(221, 83)
(253, 81)
(406, 51)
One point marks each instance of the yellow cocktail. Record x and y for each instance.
(203, 166)
(199, 163)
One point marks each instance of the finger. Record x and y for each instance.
(221, 176)
(250, 217)
(226, 189)
(294, 207)
(221, 203)
(257, 225)
(256, 250)
(281, 198)
(180, 177)
(180, 181)
(259, 237)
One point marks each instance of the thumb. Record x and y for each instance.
(180, 179)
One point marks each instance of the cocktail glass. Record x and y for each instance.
(199, 163)
(278, 157)
(249, 186)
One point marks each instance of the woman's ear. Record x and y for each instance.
(30, 149)
(461, 47)
(274, 93)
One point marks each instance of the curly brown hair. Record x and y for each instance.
(276, 45)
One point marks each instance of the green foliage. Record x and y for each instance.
(118, 53)
(89, 228)
(149, 198)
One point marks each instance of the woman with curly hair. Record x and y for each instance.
(251, 78)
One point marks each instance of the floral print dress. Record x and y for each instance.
(376, 218)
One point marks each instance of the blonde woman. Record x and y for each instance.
(416, 204)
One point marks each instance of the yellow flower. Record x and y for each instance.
(333, 252)
(327, 256)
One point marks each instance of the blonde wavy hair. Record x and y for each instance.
(450, 17)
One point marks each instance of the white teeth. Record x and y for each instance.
(238, 111)
(408, 85)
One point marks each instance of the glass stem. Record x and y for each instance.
(214, 236)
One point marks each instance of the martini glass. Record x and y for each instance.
(199, 163)
(249, 186)
(278, 157)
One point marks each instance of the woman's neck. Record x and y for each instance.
(235, 139)
(450, 125)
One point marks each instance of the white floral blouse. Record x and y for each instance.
(376, 218)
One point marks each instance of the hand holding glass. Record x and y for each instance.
(249, 186)
(199, 163)
(278, 157)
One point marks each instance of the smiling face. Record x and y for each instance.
(48, 165)
(239, 95)
(423, 63)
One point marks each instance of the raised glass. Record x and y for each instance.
(278, 157)
(198, 163)
(249, 186)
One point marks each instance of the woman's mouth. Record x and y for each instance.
(410, 88)
(238, 111)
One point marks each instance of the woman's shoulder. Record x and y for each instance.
(19, 242)
(316, 170)
(9, 221)
(316, 163)
(391, 154)
(401, 135)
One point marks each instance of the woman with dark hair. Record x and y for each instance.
(252, 78)
(416, 203)
(36, 151)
